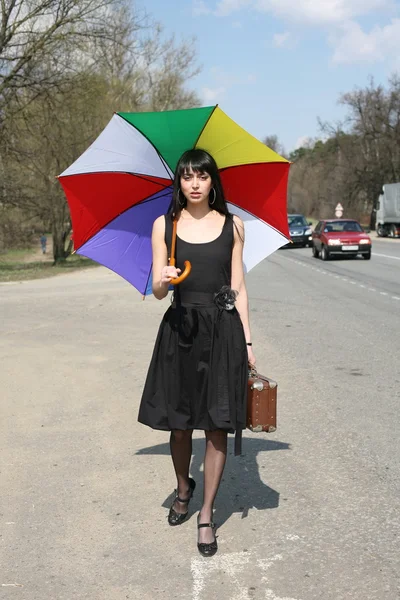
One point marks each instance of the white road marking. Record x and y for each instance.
(386, 256)
(270, 595)
(264, 564)
(234, 565)
(345, 279)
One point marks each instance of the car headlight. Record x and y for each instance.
(365, 241)
(334, 243)
(308, 231)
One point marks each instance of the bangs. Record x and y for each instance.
(186, 169)
(194, 160)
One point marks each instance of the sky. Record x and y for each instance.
(276, 66)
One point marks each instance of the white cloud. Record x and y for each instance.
(200, 8)
(281, 39)
(314, 12)
(321, 12)
(338, 18)
(226, 7)
(355, 45)
(222, 82)
(213, 94)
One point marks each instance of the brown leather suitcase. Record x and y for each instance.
(261, 403)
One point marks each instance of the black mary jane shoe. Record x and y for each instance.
(175, 518)
(208, 549)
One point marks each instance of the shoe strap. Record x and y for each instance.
(200, 525)
(181, 499)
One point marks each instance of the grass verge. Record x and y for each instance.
(14, 268)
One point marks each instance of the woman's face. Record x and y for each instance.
(196, 187)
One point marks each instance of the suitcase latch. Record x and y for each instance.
(257, 385)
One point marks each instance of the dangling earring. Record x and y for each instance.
(181, 204)
(215, 197)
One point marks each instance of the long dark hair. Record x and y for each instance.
(199, 161)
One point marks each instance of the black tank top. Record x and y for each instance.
(211, 261)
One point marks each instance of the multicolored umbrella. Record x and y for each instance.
(123, 182)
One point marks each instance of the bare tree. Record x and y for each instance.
(357, 158)
(374, 121)
(38, 39)
(144, 70)
(273, 142)
(45, 137)
(47, 119)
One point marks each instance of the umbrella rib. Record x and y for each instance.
(205, 125)
(147, 282)
(258, 218)
(167, 190)
(252, 164)
(163, 161)
(143, 176)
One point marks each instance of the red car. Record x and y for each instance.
(344, 237)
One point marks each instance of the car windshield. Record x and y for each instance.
(297, 221)
(343, 226)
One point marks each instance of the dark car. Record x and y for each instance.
(300, 231)
(345, 237)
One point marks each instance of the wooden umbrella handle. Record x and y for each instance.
(187, 265)
(182, 276)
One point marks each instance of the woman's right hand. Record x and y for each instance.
(168, 273)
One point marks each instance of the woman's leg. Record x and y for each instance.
(181, 453)
(214, 463)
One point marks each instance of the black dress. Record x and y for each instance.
(197, 378)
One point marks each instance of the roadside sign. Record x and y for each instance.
(339, 211)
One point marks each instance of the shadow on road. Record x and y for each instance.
(242, 487)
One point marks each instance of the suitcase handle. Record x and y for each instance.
(253, 374)
(252, 371)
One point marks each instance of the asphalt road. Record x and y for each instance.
(309, 512)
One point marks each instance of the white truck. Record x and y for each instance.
(388, 211)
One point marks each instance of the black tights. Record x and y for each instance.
(181, 451)
(214, 463)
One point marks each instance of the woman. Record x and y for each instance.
(198, 374)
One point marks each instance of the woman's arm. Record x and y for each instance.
(162, 273)
(238, 282)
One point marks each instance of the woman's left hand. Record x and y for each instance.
(250, 355)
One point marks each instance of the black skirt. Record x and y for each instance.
(197, 378)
